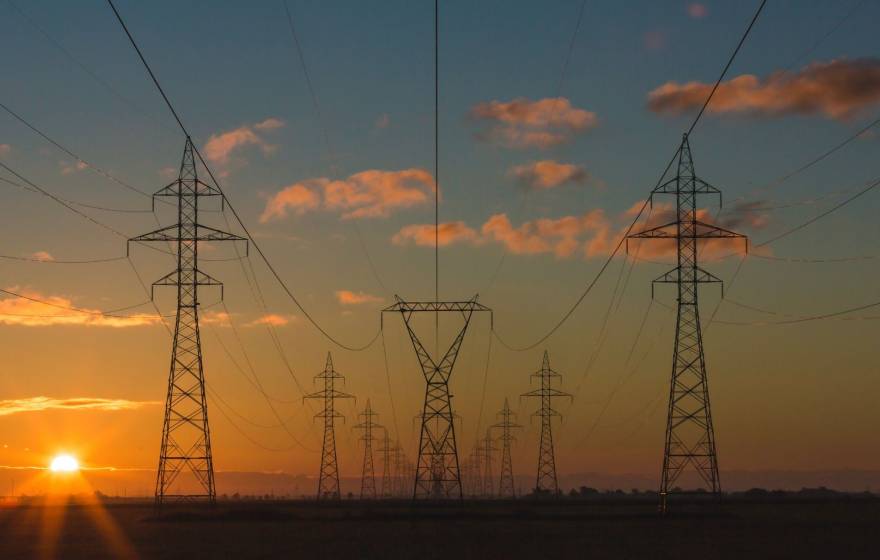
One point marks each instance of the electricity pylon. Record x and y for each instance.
(437, 469)
(488, 447)
(368, 474)
(328, 477)
(386, 450)
(690, 436)
(475, 468)
(399, 471)
(546, 479)
(506, 488)
(186, 436)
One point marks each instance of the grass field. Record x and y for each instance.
(481, 530)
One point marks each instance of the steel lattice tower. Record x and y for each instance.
(488, 447)
(546, 478)
(368, 474)
(186, 435)
(690, 436)
(437, 468)
(507, 487)
(328, 477)
(386, 450)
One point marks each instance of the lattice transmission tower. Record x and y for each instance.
(386, 450)
(506, 487)
(487, 448)
(437, 475)
(546, 478)
(186, 435)
(690, 436)
(368, 472)
(328, 476)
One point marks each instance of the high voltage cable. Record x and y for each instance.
(607, 262)
(244, 228)
(819, 216)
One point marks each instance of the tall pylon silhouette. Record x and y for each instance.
(386, 450)
(328, 476)
(368, 473)
(488, 448)
(690, 435)
(186, 435)
(546, 478)
(507, 486)
(437, 468)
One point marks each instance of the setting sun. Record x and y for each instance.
(64, 463)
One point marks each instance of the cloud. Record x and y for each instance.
(67, 168)
(5, 149)
(39, 404)
(220, 147)
(42, 256)
(368, 194)
(522, 123)
(562, 236)
(697, 10)
(839, 89)
(347, 297)
(24, 312)
(168, 173)
(383, 121)
(423, 234)
(271, 319)
(654, 40)
(546, 174)
(218, 318)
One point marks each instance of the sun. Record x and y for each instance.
(64, 463)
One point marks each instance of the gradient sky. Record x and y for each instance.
(797, 396)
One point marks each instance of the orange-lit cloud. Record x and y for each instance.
(272, 319)
(522, 123)
(72, 167)
(546, 174)
(347, 297)
(369, 194)
(218, 318)
(424, 234)
(697, 10)
(5, 149)
(839, 89)
(220, 147)
(42, 256)
(561, 236)
(383, 121)
(38, 404)
(27, 313)
(654, 40)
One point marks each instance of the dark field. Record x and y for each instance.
(487, 530)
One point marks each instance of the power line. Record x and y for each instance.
(638, 215)
(244, 228)
(819, 216)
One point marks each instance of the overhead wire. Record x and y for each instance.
(254, 243)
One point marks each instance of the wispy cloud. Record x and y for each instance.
(5, 149)
(547, 174)
(368, 194)
(25, 312)
(39, 404)
(697, 10)
(347, 297)
(220, 147)
(271, 319)
(68, 168)
(383, 121)
(523, 123)
(423, 234)
(840, 89)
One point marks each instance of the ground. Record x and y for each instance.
(841, 528)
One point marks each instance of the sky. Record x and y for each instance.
(541, 163)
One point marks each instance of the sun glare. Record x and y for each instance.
(64, 463)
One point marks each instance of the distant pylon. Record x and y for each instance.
(488, 447)
(328, 477)
(476, 469)
(186, 436)
(400, 478)
(386, 450)
(690, 436)
(506, 488)
(546, 479)
(437, 473)
(368, 473)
